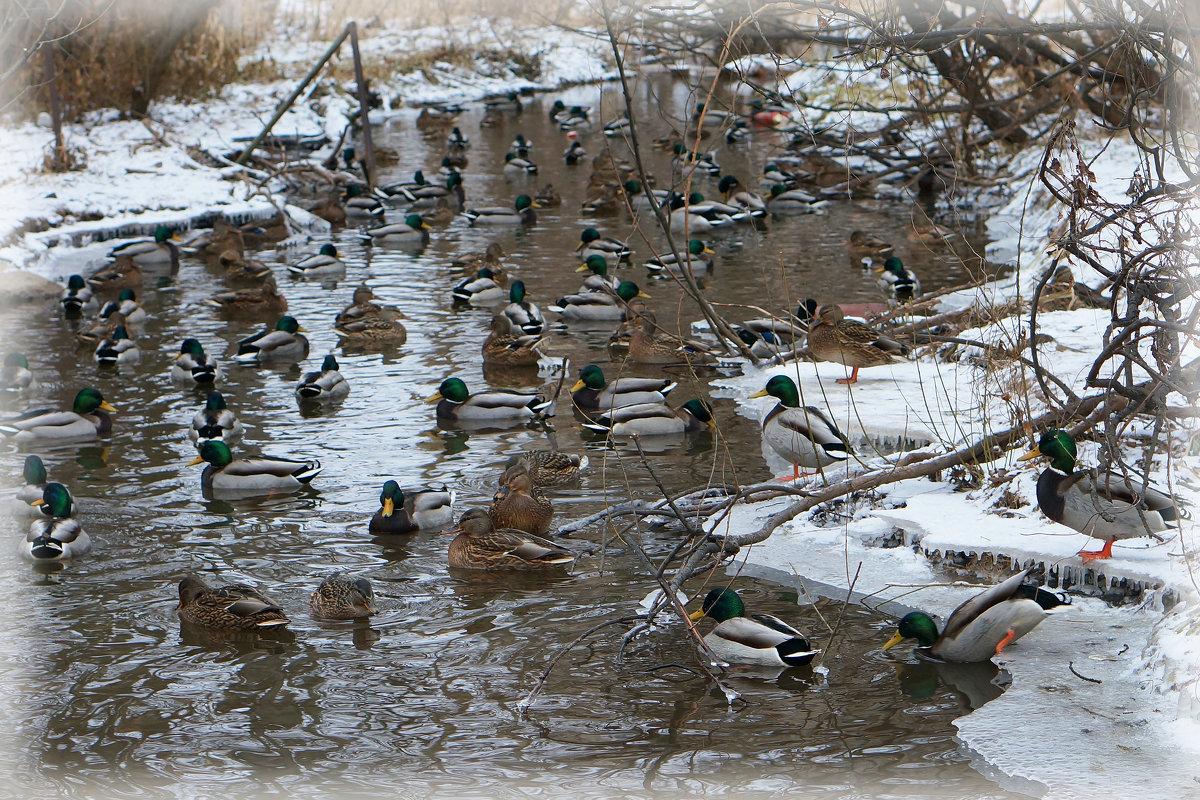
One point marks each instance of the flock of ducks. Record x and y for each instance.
(510, 535)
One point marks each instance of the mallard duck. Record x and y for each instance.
(127, 304)
(521, 505)
(78, 297)
(432, 194)
(482, 290)
(324, 384)
(832, 337)
(479, 545)
(509, 101)
(522, 213)
(214, 421)
(15, 375)
(524, 314)
(257, 475)
(1107, 507)
(121, 274)
(284, 342)
(501, 405)
(574, 153)
(577, 118)
(599, 280)
(341, 596)
(85, 420)
(698, 257)
(806, 436)
(506, 346)
(265, 298)
(637, 199)
(235, 607)
(899, 281)
(440, 214)
(471, 263)
(55, 537)
(359, 205)
(604, 199)
(760, 639)
(598, 306)
(688, 162)
(865, 244)
(150, 252)
(193, 365)
(118, 349)
(376, 329)
(516, 165)
(982, 626)
(35, 476)
(685, 218)
(324, 263)
(655, 419)
(591, 243)
(593, 393)
(706, 117)
(548, 197)
(783, 200)
(648, 346)
(404, 512)
(101, 330)
(548, 468)
(735, 193)
(456, 138)
(617, 127)
(773, 175)
(413, 230)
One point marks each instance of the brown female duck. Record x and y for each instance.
(480, 545)
(521, 505)
(832, 337)
(236, 607)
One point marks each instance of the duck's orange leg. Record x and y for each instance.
(1003, 643)
(852, 379)
(1092, 555)
(796, 473)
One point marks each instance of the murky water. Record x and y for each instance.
(104, 695)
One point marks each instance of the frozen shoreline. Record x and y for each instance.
(140, 175)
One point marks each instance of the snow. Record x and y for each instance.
(1050, 728)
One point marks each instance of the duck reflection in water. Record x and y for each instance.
(976, 684)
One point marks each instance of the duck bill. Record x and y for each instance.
(708, 251)
(433, 398)
(759, 393)
(696, 616)
(582, 267)
(195, 461)
(104, 406)
(577, 249)
(454, 530)
(38, 502)
(1032, 454)
(389, 505)
(892, 642)
(302, 329)
(643, 294)
(578, 385)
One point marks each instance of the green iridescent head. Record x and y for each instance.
(288, 323)
(329, 364)
(915, 625)
(328, 249)
(1059, 447)
(454, 390)
(57, 499)
(720, 604)
(215, 402)
(89, 400)
(627, 290)
(597, 264)
(516, 292)
(390, 497)
(522, 202)
(592, 377)
(215, 452)
(34, 471)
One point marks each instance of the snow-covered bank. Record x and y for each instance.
(173, 168)
(1052, 731)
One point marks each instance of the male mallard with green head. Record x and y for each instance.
(1107, 507)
